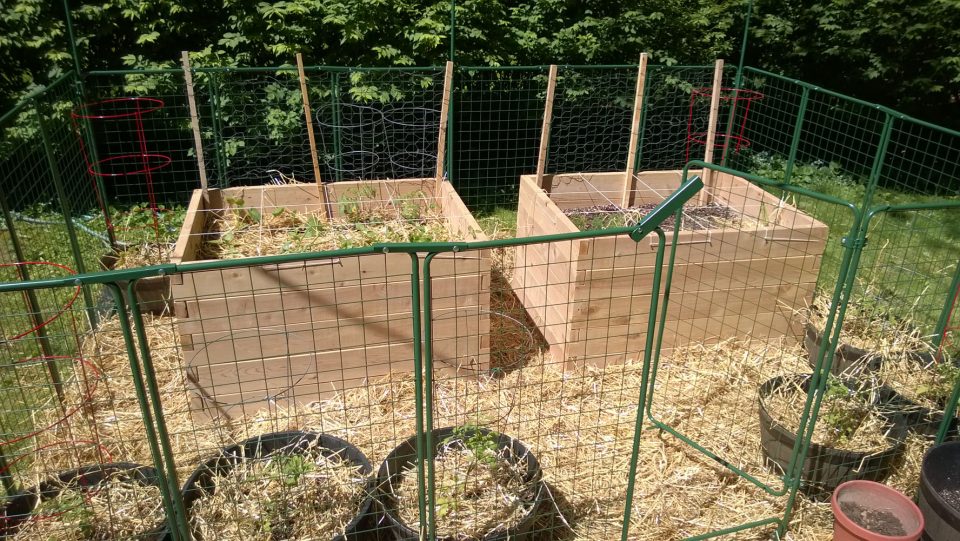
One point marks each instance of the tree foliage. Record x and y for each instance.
(904, 53)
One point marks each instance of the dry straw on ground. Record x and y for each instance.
(578, 423)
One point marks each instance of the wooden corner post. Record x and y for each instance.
(194, 121)
(545, 131)
(444, 114)
(706, 195)
(628, 187)
(308, 117)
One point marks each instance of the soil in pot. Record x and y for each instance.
(698, 218)
(110, 501)
(487, 486)
(362, 220)
(852, 438)
(289, 486)
(876, 520)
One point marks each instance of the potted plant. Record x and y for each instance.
(852, 438)
(920, 391)
(487, 486)
(867, 337)
(103, 501)
(869, 511)
(284, 485)
(939, 494)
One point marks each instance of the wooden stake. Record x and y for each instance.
(545, 131)
(309, 118)
(706, 195)
(444, 113)
(628, 187)
(194, 122)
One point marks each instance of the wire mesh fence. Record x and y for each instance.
(811, 285)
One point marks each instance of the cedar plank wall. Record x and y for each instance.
(297, 332)
(591, 298)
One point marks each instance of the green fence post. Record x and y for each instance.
(848, 273)
(797, 131)
(66, 210)
(418, 380)
(335, 102)
(453, 27)
(215, 114)
(153, 391)
(142, 401)
(953, 295)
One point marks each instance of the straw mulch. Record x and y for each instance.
(144, 255)
(579, 424)
(114, 509)
(869, 328)
(109, 424)
(241, 232)
(281, 496)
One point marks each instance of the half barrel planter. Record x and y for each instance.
(299, 332)
(591, 297)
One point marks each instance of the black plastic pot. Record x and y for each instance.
(917, 419)
(850, 360)
(404, 457)
(153, 293)
(940, 473)
(20, 506)
(825, 467)
(201, 481)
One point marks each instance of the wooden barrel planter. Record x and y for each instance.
(848, 359)
(285, 458)
(939, 494)
(916, 417)
(825, 467)
(591, 297)
(401, 463)
(23, 507)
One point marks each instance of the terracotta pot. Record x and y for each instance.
(874, 496)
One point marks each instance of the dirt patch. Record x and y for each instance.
(712, 216)
(876, 520)
(952, 497)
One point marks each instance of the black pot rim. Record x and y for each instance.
(849, 351)
(932, 493)
(146, 475)
(384, 487)
(192, 489)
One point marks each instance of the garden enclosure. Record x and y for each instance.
(655, 447)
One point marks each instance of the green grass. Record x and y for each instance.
(908, 263)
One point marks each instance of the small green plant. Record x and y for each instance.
(482, 444)
(246, 215)
(351, 204)
(68, 507)
(843, 409)
(288, 469)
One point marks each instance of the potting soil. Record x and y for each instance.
(712, 216)
(876, 520)
(952, 497)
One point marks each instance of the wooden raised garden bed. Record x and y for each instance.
(591, 297)
(296, 332)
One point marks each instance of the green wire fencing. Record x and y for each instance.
(628, 386)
